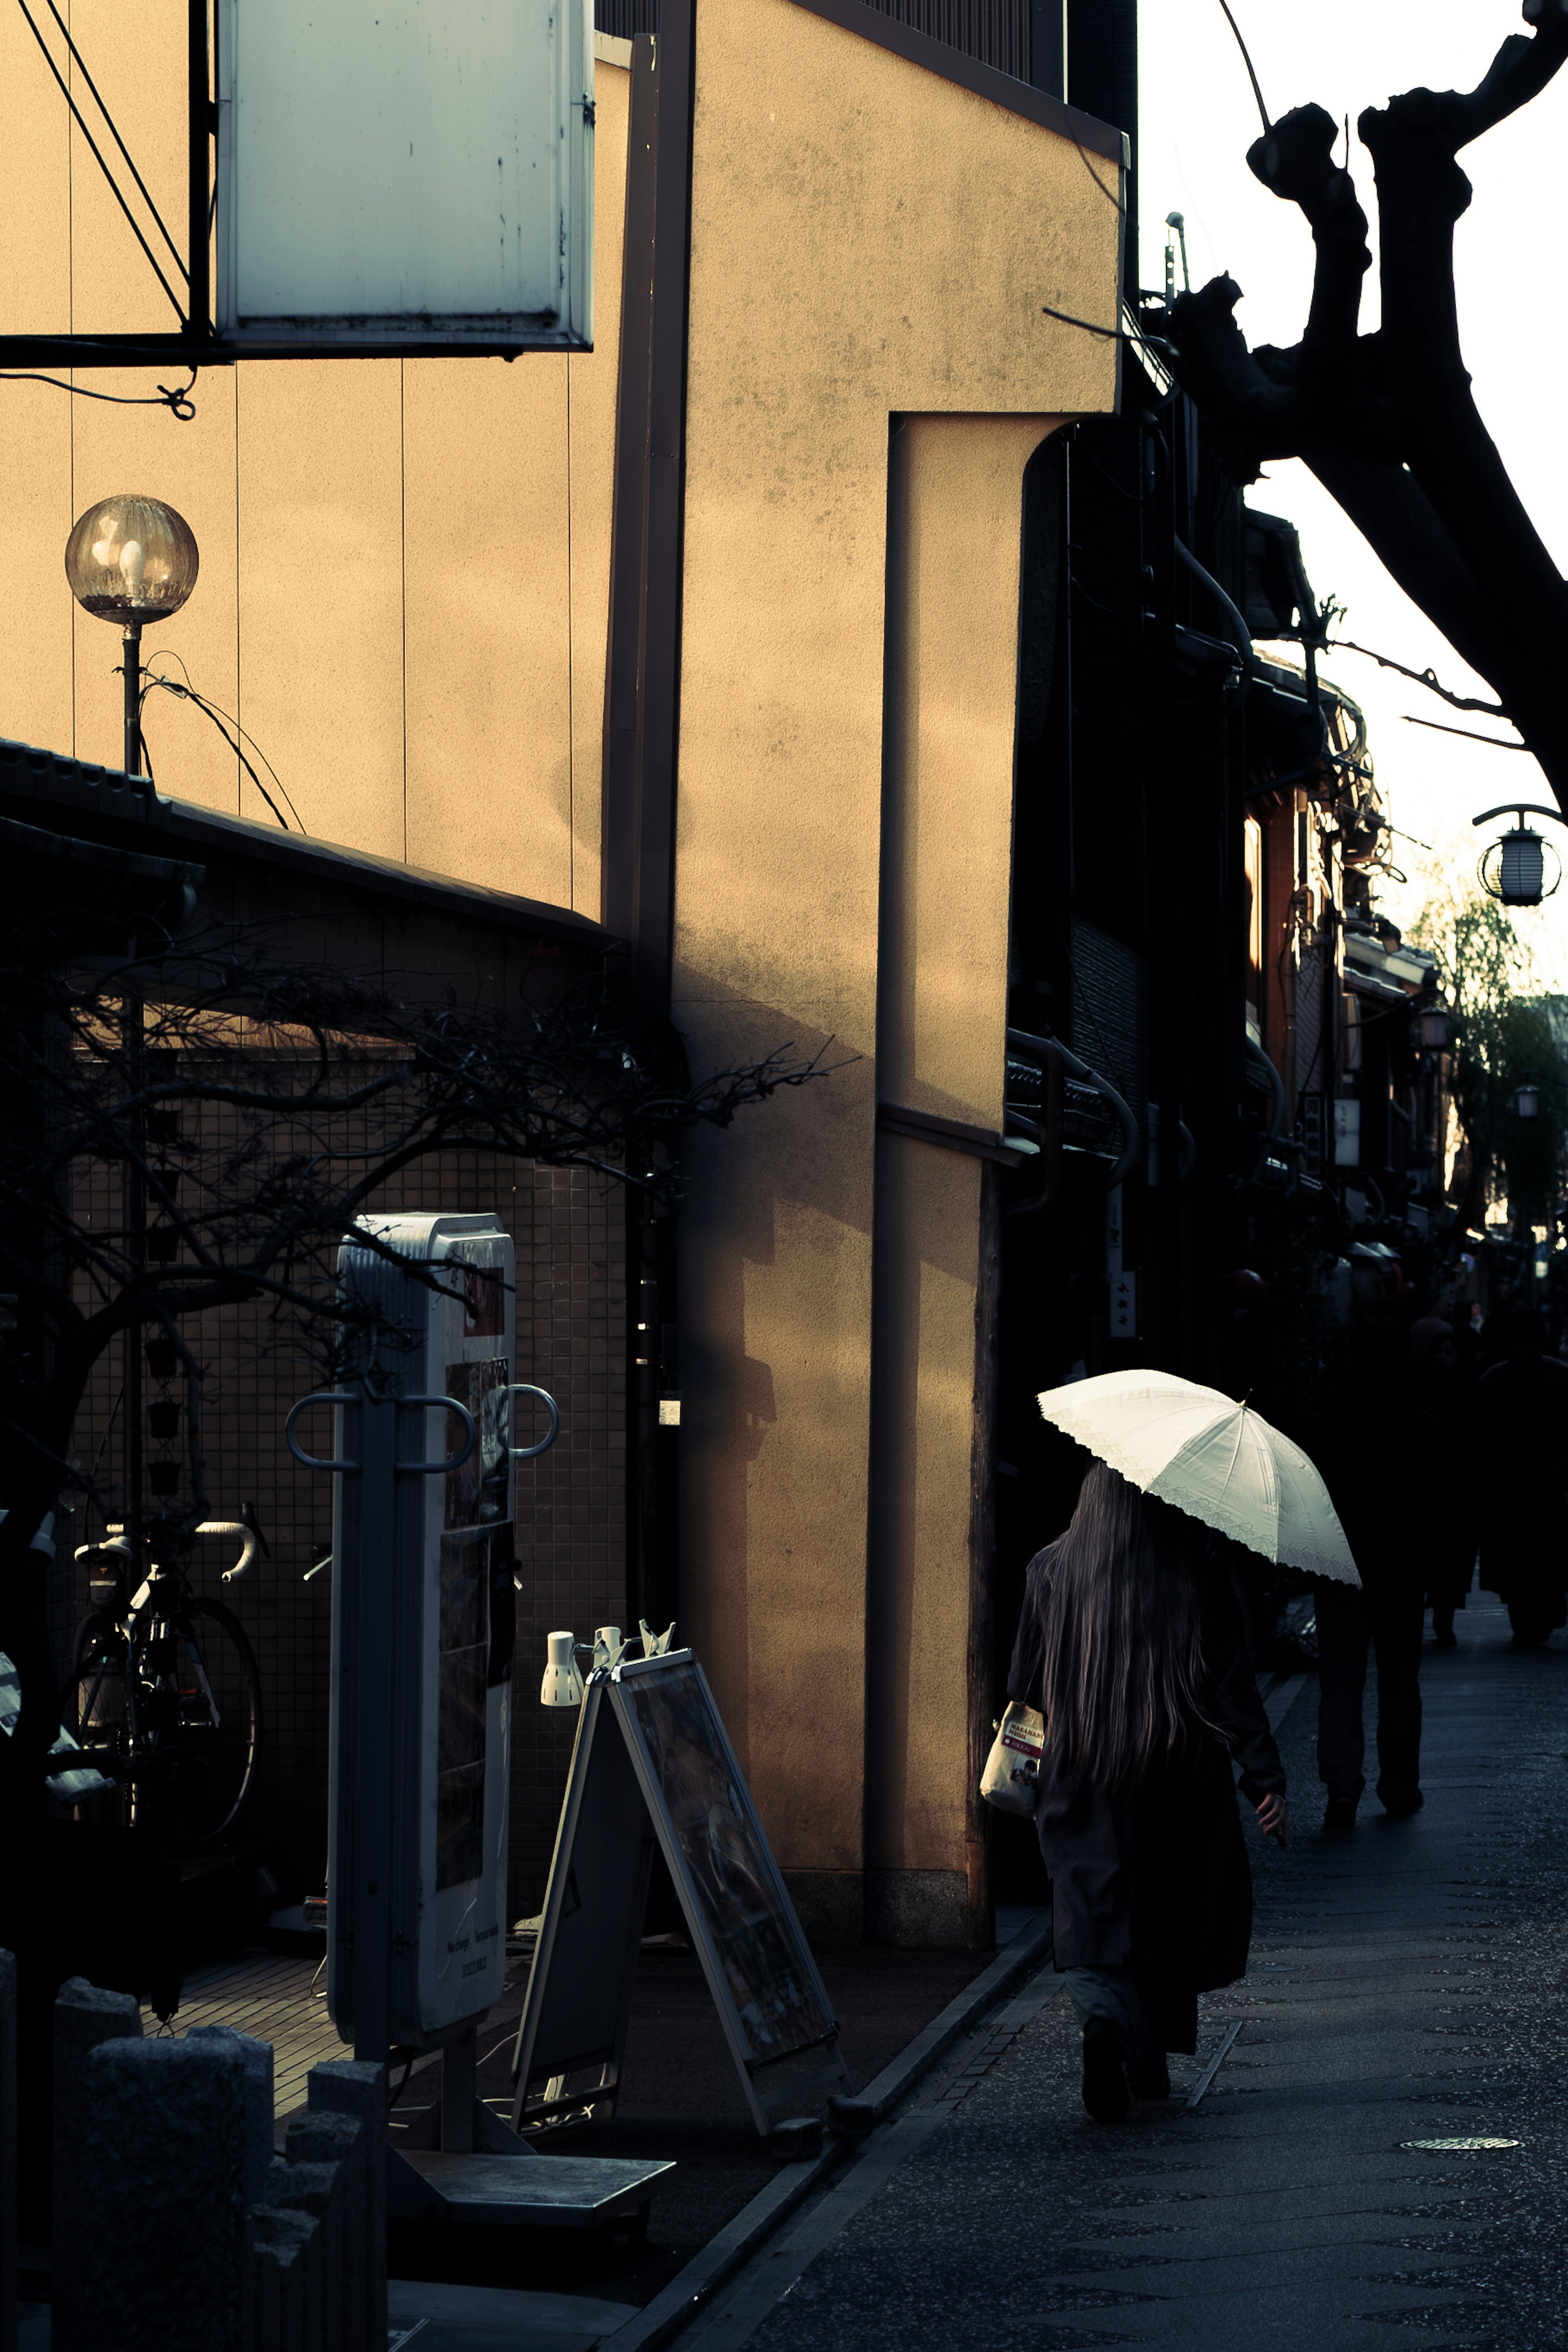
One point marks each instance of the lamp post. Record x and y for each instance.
(129, 560)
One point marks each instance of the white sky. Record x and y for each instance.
(1197, 118)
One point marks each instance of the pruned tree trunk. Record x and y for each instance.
(1387, 421)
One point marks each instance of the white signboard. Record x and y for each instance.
(405, 175)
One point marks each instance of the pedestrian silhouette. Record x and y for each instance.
(1130, 1644)
(1523, 1408)
(1381, 1458)
(1442, 1383)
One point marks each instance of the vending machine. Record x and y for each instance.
(424, 1624)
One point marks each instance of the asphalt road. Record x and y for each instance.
(1407, 1986)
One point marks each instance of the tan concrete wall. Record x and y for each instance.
(404, 579)
(867, 239)
(955, 541)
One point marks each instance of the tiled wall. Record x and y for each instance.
(568, 1225)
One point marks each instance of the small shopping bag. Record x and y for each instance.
(1012, 1775)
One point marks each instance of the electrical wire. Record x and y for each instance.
(222, 720)
(1466, 735)
(98, 157)
(162, 653)
(114, 134)
(1251, 77)
(178, 401)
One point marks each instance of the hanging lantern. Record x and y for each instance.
(1513, 869)
(1433, 1028)
(1525, 1102)
(1523, 868)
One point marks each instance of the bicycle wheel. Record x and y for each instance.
(95, 1706)
(201, 1706)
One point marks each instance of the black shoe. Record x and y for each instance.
(1399, 1808)
(1104, 2078)
(1339, 1814)
(1151, 2079)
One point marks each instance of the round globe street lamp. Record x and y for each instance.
(129, 560)
(1514, 868)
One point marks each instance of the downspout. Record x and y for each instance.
(1046, 1049)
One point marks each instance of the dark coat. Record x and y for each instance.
(1523, 1409)
(1383, 1463)
(1157, 1876)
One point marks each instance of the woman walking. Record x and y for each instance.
(1130, 1645)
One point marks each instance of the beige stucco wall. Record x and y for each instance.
(955, 544)
(867, 239)
(404, 597)
(405, 576)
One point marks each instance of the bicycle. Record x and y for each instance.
(164, 1697)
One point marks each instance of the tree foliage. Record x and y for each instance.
(1504, 1036)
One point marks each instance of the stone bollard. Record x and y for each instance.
(286, 2274)
(84, 2016)
(7, 2152)
(356, 2087)
(327, 2139)
(256, 2057)
(150, 2231)
(317, 2190)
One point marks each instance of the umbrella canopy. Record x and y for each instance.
(1211, 1457)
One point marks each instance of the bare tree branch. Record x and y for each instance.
(263, 1109)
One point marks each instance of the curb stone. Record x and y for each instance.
(716, 2263)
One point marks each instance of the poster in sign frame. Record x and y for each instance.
(653, 1763)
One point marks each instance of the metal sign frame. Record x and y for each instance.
(424, 1626)
(578, 2004)
(197, 341)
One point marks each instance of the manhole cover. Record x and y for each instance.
(1446, 2144)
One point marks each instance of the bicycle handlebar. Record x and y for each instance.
(250, 1543)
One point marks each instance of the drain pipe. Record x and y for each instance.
(1242, 634)
(1045, 1049)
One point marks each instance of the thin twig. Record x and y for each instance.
(1426, 678)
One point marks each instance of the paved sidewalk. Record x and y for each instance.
(1407, 1986)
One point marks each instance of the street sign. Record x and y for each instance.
(401, 175)
(653, 1761)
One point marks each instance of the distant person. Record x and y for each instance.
(1522, 1410)
(1130, 1645)
(1443, 1387)
(1381, 1457)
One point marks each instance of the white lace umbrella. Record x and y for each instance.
(1216, 1460)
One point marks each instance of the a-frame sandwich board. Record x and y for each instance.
(652, 1765)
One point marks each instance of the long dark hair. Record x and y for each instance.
(1123, 1682)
